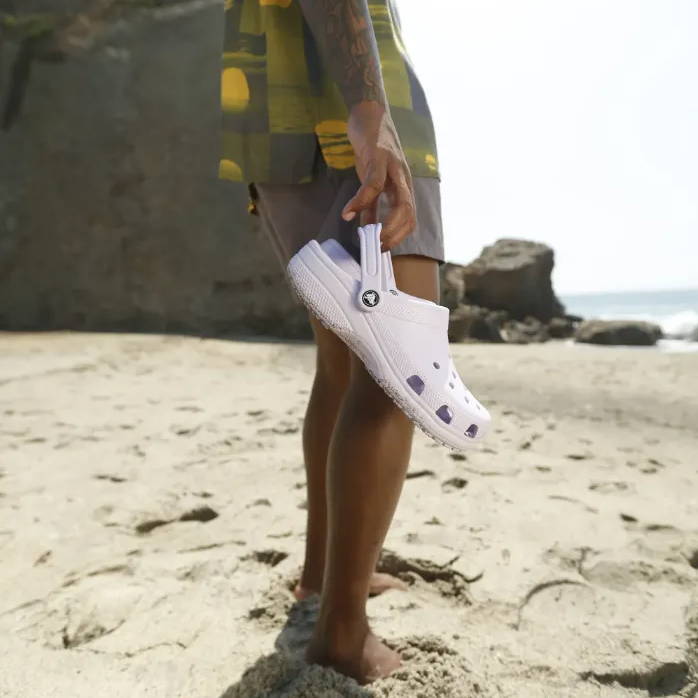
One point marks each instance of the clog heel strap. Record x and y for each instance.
(377, 274)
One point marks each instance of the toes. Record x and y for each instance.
(381, 581)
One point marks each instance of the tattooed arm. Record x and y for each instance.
(347, 42)
(344, 33)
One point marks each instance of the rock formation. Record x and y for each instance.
(505, 295)
(473, 322)
(452, 283)
(111, 213)
(514, 275)
(633, 332)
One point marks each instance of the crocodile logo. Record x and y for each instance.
(370, 298)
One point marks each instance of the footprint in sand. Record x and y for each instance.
(651, 466)
(578, 456)
(413, 474)
(273, 607)
(202, 514)
(454, 483)
(609, 487)
(620, 572)
(267, 557)
(283, 427)
(444, 579)
(111, 478)
(434, 521)
(261, 502)
(85, 608)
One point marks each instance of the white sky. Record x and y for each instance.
(570, 122)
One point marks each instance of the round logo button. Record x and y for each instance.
(370, 298)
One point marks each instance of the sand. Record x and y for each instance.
(152, 520)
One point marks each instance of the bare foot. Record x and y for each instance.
(372, 660)
(303, 592)
(379, 582)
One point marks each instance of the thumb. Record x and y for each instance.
(367, 194)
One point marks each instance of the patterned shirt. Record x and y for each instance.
(279, 103)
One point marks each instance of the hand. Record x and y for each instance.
(381, 167)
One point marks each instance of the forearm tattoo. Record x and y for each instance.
(344, 33)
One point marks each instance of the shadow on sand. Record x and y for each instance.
(285, 674)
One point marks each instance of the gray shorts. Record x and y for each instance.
(293, 214)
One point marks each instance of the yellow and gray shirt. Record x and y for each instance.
(279, 103)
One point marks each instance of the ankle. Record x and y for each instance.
(339, 645)
(310, 583)
(342, 628)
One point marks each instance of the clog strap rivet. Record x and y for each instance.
(373, 276)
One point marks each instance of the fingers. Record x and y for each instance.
(402, 217)
(366, 198)
(369, 214)
(395, 179)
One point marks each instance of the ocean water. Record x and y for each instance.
(676, 312)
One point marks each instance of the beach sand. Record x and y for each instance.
(152, 522)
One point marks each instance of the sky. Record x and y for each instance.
(569, 122)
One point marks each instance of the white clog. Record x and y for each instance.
(401, 339)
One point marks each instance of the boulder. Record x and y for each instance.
(561, 327)
(524, 332)
(630, 332)
(514, 275)
(452, 283)
(471, 322)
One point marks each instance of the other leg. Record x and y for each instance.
(368, 457)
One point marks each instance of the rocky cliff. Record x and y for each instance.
(111, 213)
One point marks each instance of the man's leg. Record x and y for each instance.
(290, 215)
(332, 373)
(368, 458)
(332, 367)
